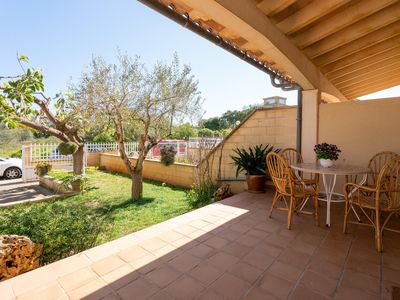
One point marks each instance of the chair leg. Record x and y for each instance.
(346, 214)
(273, 204)
(378, 231)
(316, 213)
(290, 213)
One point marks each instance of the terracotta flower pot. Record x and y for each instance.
(256, 183)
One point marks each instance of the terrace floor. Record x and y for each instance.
(227, 250)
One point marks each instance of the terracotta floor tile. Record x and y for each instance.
(185, 229)
(201, 251)
(152, 244)
(106, 265)
(363, 266)
(132, 253)
(76, 279)
(210, 295)
(286, 271)
(223, 261)
(346, 293)
(229, 234)
(230, 286)
(205, 273)
(167, 252)
(184, 262)
(50, 291)
(258, 259)
(260, 234)
(326, 268)
(163, 275)
(241, 228)
(94, 289)
(294, 258)
(259, 294)
(185, 288)
(237, 249)
(161, 295)
(184, 243)
(146, 263)
(170, 236)
(319, 283)
(246, 272)
(276, 286)
(303, 293)
(392, 275)
(138, 289)
(216, 242)
(269, 249)
(248, 240)
(361, 281)
(120, 276)
(71, 264)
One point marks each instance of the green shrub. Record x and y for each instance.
(61, 230)
(16, 154)
(43, 168)
(201, 193)
(168, 155)
(67, 148)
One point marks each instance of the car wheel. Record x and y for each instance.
(12, 173)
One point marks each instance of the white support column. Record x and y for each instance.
(310, 120)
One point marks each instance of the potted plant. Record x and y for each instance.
(252, 162)
(43, 168)
(327, 154)
(168, 155)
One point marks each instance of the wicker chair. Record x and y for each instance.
(379, 202)
(289, 190)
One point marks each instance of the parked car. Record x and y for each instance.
(10, 168)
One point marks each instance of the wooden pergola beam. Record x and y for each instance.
(368, 53)
(362, 73)
(270, 7)
(347, 86)
(339, 21)
(308, 14)
(381, 19)
(376, 37)
(372, 88)
(385, 58)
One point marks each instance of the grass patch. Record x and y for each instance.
(103, 212)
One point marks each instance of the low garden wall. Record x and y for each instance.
(178, 174)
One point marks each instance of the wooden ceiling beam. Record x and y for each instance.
(382, 59)
(376, 37)
(366, 54)
(369, 79)
(271, 7)
(362, 91)
(339, 21)
(362, 73)
(308, 14)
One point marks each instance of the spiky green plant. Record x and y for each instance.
(252, 161)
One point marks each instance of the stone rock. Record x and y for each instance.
(18, 254)
(222, 192)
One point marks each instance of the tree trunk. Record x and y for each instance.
(78, 167)
(137, 185)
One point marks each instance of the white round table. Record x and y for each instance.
(329, 180)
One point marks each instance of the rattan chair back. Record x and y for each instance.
(376, 163)
(388, 184)
(280, 173)
(291, 156)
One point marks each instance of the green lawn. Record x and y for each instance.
(103, 212)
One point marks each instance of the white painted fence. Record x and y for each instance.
(32, 154)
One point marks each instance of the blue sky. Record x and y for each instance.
(60, 37)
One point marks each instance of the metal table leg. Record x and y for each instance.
(329, 185)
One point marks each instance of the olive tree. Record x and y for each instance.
(22, 101)
(149, 101)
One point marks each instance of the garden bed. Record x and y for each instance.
(103, 212)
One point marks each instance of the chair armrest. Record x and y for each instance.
(352, 186)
